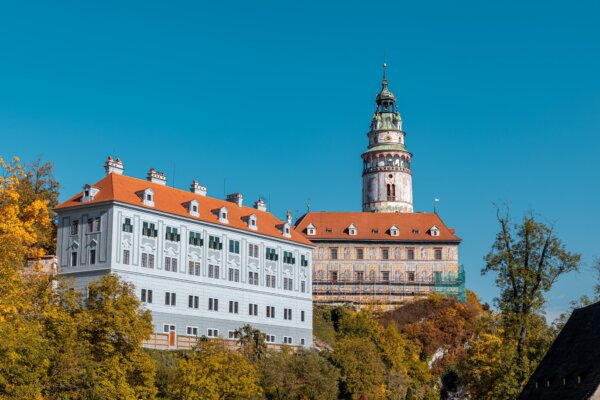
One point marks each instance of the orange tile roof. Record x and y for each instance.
(126, 189)
(413, 227)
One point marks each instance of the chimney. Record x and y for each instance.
(288, 217)
(197, 188)
(260, 205)
(157, 177)
(111, 166)
(236, 198)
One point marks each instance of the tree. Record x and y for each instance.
(212, 372)
(305, 375)
(252, 342)
(527, 259)
(363, 373)
(116, 328)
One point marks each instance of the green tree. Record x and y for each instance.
(116, 328)
(363, 373)
(213, 372)
(251, 341)
(527, 259)
(306, 375)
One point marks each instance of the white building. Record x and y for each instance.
(202, 266)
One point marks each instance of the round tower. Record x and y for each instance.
(387, 178)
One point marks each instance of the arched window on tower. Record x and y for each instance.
(389, 190)
(393, 190)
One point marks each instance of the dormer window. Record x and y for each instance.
(89, 192)
(193, 208)
(223, 215)
(352, 230)
(251, 220)
(285, 229)
(311, 230)
(148, 198)
(394, 230)
(434, 231)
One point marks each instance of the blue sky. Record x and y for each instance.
(500, 101)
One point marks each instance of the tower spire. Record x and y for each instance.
(384, 82)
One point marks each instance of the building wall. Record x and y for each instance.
(406, 278)
(112, 241)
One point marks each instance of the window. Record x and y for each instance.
(359, 276)
(287, 340)
(232, 335)
(234, 274)
(438, 253)
(272, 254)
(270, 312)
(270, 281)
(96, 227)
(253, 309)
(233, 307)
(333, 253)
(147, 260)
(386, 275)
(92, 256)
(172, 234)
(90, 225)
(73, 259)
(127, 226)
(288, 284)
(253, 250)
(74, 227)
(302, 316)
(303, 261)
(213, 271)
(302, 342)
(270, 338)
(287, 313)
(196, 239)
(170, 264)
(234, 246)
(410, 276)
(193, 302)
(288, 257)
(192, 330)
(410, 254)
(149, 229)
(170, 299)
(214, 243)
(126, 254)
(334, 276)
(213, 304)
(360, 254)
(194, 268)
(168, 328)
(303, 286)
(213, 333)
(146, 296)
(385, 253)
(253, 278)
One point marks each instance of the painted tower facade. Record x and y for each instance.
(387, 177)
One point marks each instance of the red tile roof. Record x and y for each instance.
(414, 227)
(126, 189)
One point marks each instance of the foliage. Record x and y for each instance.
(252, 342)
(214, 372)
(527, 259)
(286, 375)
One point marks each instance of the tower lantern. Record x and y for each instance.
(387, 177)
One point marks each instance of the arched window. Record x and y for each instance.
(389, 189)
(389, 162)
(393, 190)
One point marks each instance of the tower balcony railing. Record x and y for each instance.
(386, 168)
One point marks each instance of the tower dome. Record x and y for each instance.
(387, 177)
